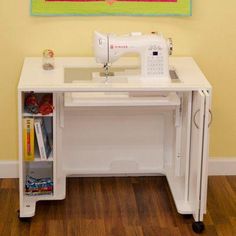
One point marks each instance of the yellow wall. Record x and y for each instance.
(209, 36)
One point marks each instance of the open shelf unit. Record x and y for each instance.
(37, 170)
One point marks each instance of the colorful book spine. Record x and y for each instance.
(28, 138)
(42, 139)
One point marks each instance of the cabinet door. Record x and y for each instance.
(195, 171)
(205, 150)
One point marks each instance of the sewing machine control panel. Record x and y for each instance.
(155, 63)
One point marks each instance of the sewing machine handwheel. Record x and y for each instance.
(198, 227)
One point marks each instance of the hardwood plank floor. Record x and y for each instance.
(135, 206)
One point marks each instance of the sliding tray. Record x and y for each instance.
(82, 99)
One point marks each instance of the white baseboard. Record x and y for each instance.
(217, 166)
(222, 166)
(9, 169)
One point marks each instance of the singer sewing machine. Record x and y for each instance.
(154, 51)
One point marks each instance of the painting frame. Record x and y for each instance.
(111, 8)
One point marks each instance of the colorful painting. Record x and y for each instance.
(111, 7)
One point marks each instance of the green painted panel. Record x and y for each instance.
(46, 8)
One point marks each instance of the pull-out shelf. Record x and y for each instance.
(81, 99)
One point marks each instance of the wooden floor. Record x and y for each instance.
(118, 206)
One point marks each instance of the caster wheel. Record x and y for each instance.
(198, 227)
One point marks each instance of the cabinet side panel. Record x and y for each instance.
(20, 150)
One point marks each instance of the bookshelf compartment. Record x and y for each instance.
(38, 138)
(38, 178)
(37, 104)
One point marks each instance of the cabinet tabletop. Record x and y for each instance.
(69, 70)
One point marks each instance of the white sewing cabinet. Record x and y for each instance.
(120, 127)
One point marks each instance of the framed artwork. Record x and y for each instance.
(111, 7)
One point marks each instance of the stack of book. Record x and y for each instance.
(36, 128)
(28, 137)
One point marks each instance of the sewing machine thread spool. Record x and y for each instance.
(48, 59)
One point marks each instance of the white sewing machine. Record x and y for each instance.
(153, 48)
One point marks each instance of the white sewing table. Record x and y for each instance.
(121, 127)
